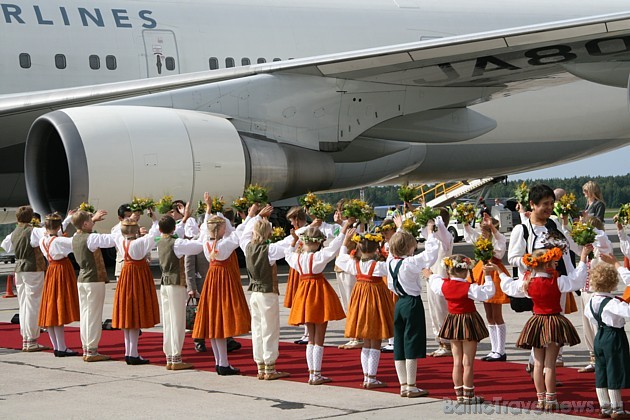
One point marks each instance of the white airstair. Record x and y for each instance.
(446, 193)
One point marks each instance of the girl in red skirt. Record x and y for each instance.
(463, 325)
(222, 311)
(135, 300)
(371, 311)
(297, 217)
(494, 305)
(315, 301)
(547, 330)
(60, 297)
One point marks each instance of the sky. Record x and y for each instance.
(616, 162)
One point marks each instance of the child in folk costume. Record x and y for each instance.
(493, 307)
(60, 299)
(222, 311)
(371, 312)
(624, 246)
(438, 308)
(315, 302)
(403, 277)
(297, 217)
(86, 246)
(612, 370)
(547, 330)
(29, 275)
(387, 230)
(261, 257)
(463, 326)
(173, 293)
(135, 301)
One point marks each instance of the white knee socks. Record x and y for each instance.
(53, 337)
(61, 338)
(365, 355)
(412, 370)
(374, 356)
(401, 371)
(133, 342)
(616, 403)
(219, 348)
(493, 332)
(501, 334)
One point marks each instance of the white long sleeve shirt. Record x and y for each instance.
(499, 243)
(183, 247)
(320, 258)
(276, 251)
(348, 264)
(58, 247)
(411, 268)
(445, 245)
(614, 313)
(624, 243)
(36, 235)
(575, 280)
(138, 248)
(476, 292)
(100, 240)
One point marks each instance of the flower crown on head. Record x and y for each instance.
(53, 216)
(317, 240)
(553, 254)
(372, 237)
(465, 264)
(387, 225)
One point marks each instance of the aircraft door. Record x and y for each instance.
(161, 52)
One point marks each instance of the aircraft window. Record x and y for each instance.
(25, 61)
(245, 62)
(60, 61)
(170, 63)
(110, 62)
(95, 62)
(277, 59)
(261, 60)
(213, 63)
(229, 62)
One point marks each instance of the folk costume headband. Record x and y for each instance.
(371, 237)
(464, 263)
(553, 254)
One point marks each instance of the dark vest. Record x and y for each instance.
(262, 276)
(28, 259)
(172, 267)
(91, 264)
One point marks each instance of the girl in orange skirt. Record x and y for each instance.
(463, 325)
(493, 306)
(371, 312)
(387, 229)
(315, 301)
(60, 298)
(297, 217)
(135, 300)
(222, 311)
(547, 330)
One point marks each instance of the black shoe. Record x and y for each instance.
(227, 370)
(501, 358)
(65, 353)
(127, 359)
(200, 347)
(137, 361)
(233, 345)
(300, 341)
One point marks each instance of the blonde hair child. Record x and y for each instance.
(315, 302)
(463, 325)
(609, 313)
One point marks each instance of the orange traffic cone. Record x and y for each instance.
(9, 293)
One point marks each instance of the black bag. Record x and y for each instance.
(191, 312)
(521, 304)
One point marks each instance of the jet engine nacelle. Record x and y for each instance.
(106, 155)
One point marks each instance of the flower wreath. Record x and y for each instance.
(465, 264)
(305, 239)
(372, 237)
(389, 225)
(553, 254)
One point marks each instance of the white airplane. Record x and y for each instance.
(107, 99)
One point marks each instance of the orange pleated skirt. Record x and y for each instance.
(571, 305)
(626, 294)
(371, 311)
(222, 311)
(292, 286)
(315, 301)
(499, 297)
(135, 300)
(60, 297)
(233, 260)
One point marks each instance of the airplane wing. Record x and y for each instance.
(497, 58)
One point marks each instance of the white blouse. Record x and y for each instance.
(475, 291)
(320, 258)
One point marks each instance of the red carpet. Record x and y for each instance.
(504, 381)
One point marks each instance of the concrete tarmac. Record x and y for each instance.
(40, 386)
